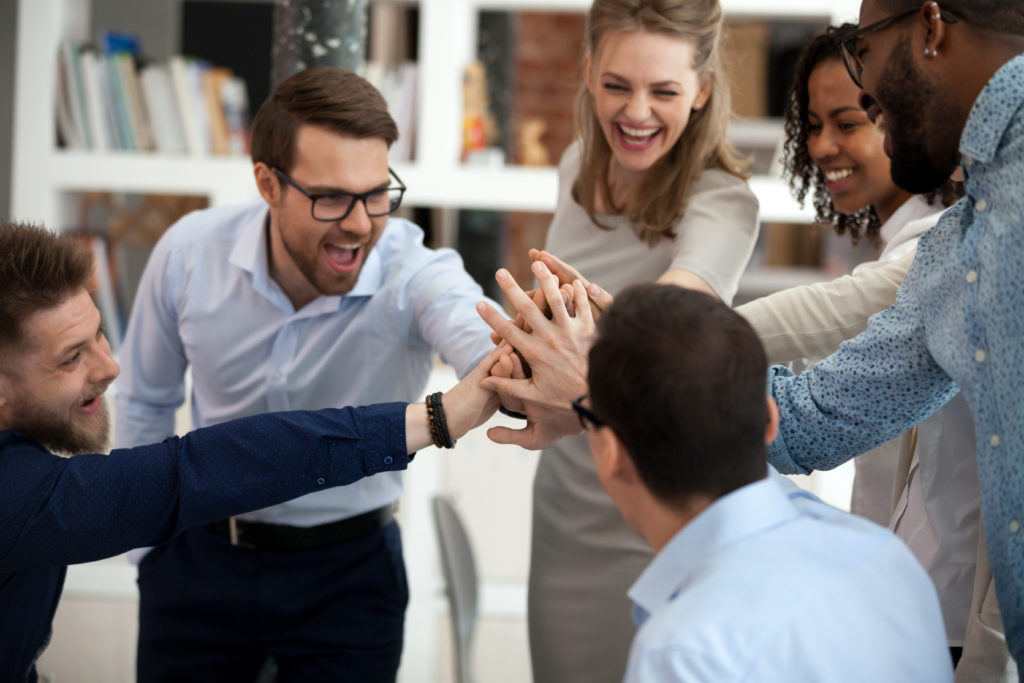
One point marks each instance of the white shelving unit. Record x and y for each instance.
(42, 173)
(43, 177)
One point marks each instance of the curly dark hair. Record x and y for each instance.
(800, 170)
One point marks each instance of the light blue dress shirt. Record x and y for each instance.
(206, 300)
(958, 320)
(770, 584)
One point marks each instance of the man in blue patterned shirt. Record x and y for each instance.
(946, 82)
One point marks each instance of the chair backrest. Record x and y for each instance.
(459, 569)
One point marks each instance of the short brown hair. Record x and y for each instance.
(38, 270)
(325, 96)
(682, 380)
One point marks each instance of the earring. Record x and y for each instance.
(931, 53)
(697, 106)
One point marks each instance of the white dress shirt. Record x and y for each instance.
(206, 301)
(770, 584)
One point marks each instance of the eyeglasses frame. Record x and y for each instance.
(847, 42)
(584, 413)
(356, 197)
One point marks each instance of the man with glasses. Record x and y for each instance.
(310, 298)
(753, 579)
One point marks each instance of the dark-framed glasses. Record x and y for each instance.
(336, 206)
(847, 40)
(585, 414)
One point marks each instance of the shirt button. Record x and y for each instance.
(276, 376)
(994, 441)
(1014, 526)
(388, 460)
(320, 480)
(972, 276)
(982, 205)
(967, 160)
(979, 355)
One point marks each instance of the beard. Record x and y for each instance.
(59, 433)
(906, 97)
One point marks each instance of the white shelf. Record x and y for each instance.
(229, 179)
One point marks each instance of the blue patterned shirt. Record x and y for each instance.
(958, 322)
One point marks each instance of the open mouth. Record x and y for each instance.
(636, 139)
(91, 406)
(343, 258)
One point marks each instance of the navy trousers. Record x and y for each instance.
(209, 611)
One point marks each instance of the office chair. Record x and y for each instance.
(459, 569)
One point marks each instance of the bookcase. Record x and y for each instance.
(45, 177)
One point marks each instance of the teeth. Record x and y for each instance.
(838, 174)
(638, 132)
(345, 246)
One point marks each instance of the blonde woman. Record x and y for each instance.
(651, 191)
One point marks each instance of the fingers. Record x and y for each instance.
(583, 311)
(501, 325)
(506, 435)
(559, 268)
(552, 292)
(517, 388)
(523, 304)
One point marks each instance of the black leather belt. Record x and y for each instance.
(261, 536)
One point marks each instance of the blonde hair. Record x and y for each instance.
(665, 193)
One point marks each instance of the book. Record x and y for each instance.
(234, 96)
(95, 98)
(137, 119)
(188, 96)
(212, 79)
(117, 104)
(72, 122)
(162, 110)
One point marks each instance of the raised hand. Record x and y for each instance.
(556, 351)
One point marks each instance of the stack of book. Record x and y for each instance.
(184, 106)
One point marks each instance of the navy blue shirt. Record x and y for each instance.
(56, 511)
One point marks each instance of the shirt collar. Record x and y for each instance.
(250, 254)
(992, 111)
(905, 223)
(745, 512)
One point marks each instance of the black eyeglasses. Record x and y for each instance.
(585, 414)
(847, 40)
(336, 206)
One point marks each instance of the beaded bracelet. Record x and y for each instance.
(436, 422)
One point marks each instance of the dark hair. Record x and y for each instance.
(325, 96)
(681, 379)
(1001, 16)
(803, 174)
(39, 270)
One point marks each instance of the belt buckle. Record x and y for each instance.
(233, 530)
(233, 534)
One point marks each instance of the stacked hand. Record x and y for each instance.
(555, 350)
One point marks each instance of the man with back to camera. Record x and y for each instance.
(753, 579)
(311, 297)
(55, 366)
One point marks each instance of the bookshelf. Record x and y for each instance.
(42, 174)
(44, 177)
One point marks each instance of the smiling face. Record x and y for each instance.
(645, 87)
(52, 390)
(308, 257)
(922, 136)
(846, 146)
